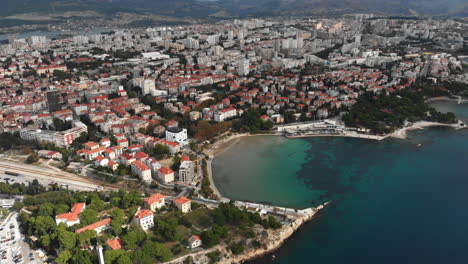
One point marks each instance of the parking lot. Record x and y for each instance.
(13, 249)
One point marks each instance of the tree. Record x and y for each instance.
(237, 248)
(63, 257)
(42, 225)
(175, 163)
(133, 238)
(44, 241)
(88, 216)
(17, 206)
(32, 158)
(124, 259)
(86, 236)
(111, 255)
(67, 239)
(117, 216)
(46, 209)
(61, 208)
(81, 257)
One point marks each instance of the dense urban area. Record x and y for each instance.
(107, 137)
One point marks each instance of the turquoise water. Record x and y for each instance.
(394, 202)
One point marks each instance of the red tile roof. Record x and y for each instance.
(143, 213)
(115, 244)
(182, 200)
(154, 198)
(95, 226)
(165, 170)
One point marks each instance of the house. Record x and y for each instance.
(115, 243)
(123, 143)
(98, 226)
(155, 201)
(144, 219)
(100, 161)
(183, 204)
(194, 241)
(49, 154)
(143, 171)
(73, 217)
(127, 159)
(105, 142)
(113, 165)
(225, 114)
(166, 175)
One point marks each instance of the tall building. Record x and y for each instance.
(53, 101)
(277, 45)
(243, 67)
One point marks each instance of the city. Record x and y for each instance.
(108, 137)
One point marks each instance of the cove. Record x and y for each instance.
(394, 201)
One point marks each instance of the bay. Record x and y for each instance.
(394, 201)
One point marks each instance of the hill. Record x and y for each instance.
(239, 8)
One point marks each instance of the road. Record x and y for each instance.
(46, 176)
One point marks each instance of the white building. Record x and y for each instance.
(155, 201)
(144, 219)
(186, 171)
(166, 175)
(143, 171)
(243, 67)
(224, 114)
(178, 135)
(183, 204)
(73, 217)
(194, 241)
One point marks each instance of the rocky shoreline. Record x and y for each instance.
(276, 238)
(272, 240)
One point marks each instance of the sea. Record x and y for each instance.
(394, 201)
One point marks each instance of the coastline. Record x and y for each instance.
(279, 237)
(402, 133)
(273, 240)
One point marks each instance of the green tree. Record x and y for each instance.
(67, 239)
(63, 257)
(88, 216)
(124, 259)
(46, 209)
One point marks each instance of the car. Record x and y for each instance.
(30, 255)
(32, 259)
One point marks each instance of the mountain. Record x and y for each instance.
(239, 8)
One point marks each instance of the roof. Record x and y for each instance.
(77, 208)
(115, 243)
(157, 197)
(68, 216)
(165, 170)
(143, 213)
(182, 200)
(94, 226)
(194, 237)
(140, 165)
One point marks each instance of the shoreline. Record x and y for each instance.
(282, 235)
(273, 241)
(227, 143)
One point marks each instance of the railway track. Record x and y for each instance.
(72, 178)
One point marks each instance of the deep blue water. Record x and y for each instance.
(395, 202)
